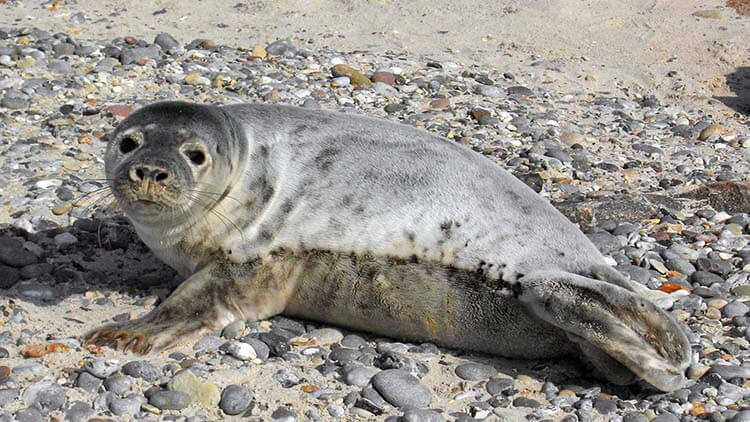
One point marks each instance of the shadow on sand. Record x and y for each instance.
(739, 83)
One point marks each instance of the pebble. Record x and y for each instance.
(325, 336)
(128, 406)
(88, 382)
(101, 368)
(13, 253)
(141, 369)
(358, 375)
(166, 41)
(422, 415)
(233, 330)
(118, 384)
(401, 389)
(169, 400)
(44, 396)
(235, 399)
(241, 351)
(78, 411)
(204, 393)
(475, 371)
(280, 47)
(355, 76)
(489, 91)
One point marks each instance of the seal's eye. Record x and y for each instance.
(196, 156)
(128, 144)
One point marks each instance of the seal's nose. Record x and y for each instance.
(142, 172)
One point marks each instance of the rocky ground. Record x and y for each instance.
(659, 188)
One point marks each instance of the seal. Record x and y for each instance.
(371, 225)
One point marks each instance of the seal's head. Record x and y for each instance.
(170, 162)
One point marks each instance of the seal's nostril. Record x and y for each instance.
(161, 176)
(139, 173)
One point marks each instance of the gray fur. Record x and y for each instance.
(373, 225)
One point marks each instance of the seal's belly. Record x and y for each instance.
(420, 302)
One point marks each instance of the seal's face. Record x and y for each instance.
(170, 162)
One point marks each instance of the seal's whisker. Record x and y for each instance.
(213, 188)
(212, 209)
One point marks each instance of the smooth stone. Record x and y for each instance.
(65, 239)
(284, 414)
(130, 405)
(489, 91)
(9, 276)
(233, 330)
(705, 278)
(734, 309)
(29, 415)
(142, 369)
(235, 399)
(355, 76)
(88, 382)
(241, 351)
(78, 411)
(402, 389)
(133, 55)
(261, 349)
(728, 372)
(101, 368)
(526, 402)
(8, 396)
(205, 393)
(166, 41)
(359, 375)
(422, 415)
(169, 400)
(118, 384)
(280, 47)
(475, 371)
(45, 396)
(208, 343)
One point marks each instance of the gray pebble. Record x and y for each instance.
(734, 309)
(29, 415)
(65, 239)
(353, 341)
(489, 91)
(130, 405)
(166, 41)
(241, 351)
(8, 396)
(101, 368)
(422, 415)
(741, 416)
(705, 278)
(15, 100)
(141, 369)
(78, 411)
(605, 406)
(235, 399)
(118, 384)
(402, 389)
(233, 330)
(44, 396)
(498, 385)
(133, 55)
(286, 378)
(728, 372)
(59, 66)
(525, 402)
(169, 400)
(88, 382)
(261, 349)
(34, 368)
(9, 276)
(284, 414)
(358, 375)
(666, 417)
(280, 47)
(475, 371)
(634, 417)
(336, 411)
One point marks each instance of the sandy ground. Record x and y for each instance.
(602, 45)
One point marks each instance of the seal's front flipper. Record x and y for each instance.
(189, 310)
(618, 330)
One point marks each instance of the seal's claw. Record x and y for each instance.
(152, 332)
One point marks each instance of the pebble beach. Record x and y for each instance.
(658, 182)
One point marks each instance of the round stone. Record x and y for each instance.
(101, 368)
(169, 400)
(325, 336)
(118, 384)
(235, 399)
(498, 385)
(402, 389)
(475, 371)
(141, 369)
(358, 375)
(422, 415)
(45, 396)
(241, 351)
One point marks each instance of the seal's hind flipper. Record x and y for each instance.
(610, 323)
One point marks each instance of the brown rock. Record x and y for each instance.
(130, 40)
(34, 351)
(4, 372)
(120, 110)
(731, 197)
(440, 103)
(710, 130)
(478, 113)
(384, 77)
